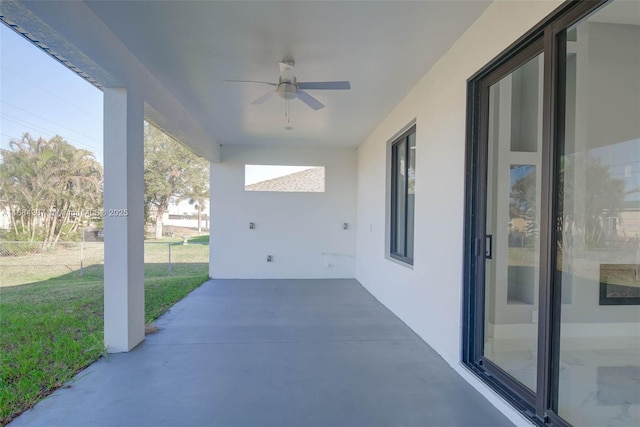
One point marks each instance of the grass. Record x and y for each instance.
(52, 329)
(161, 293)
(620, 275)
(522, 256)
(63, 263)
(204, 239)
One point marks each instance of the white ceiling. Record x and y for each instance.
(383, 48)
(178, 54)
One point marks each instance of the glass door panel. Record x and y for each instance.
(512, 218)
(598, 235)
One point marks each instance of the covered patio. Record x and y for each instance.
(272, 353)
(298, 325)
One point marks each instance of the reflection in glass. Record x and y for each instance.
(598, 227)
(400, 204)
(411, 192)
(513, 212)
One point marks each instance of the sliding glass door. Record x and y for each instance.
(553, 219)
(514, 138)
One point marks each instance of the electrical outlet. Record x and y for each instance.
(269, 258)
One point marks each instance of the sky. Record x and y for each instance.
(41, 96)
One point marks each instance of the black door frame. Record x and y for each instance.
(548, 38)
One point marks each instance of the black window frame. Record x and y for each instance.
(546, 37)
(394, 252)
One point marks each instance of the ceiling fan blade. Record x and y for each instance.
(286, 70)
(264, 97)
(344, 85)
(309, 100)
(251, 81)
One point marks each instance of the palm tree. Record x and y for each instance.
(198, 192)
(199, 203)
(46, 186)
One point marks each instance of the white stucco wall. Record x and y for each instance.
(428, 296)
(302, 231)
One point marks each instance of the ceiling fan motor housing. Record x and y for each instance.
(287, 89)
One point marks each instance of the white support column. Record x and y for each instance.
(123, 220)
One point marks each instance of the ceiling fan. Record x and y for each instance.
(288, 87)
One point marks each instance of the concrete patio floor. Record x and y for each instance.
(271, 353)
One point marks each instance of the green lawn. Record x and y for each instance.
(204, 239)
(81, 262)
(52, 329)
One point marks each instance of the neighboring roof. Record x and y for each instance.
(631, 205)
(306, 181)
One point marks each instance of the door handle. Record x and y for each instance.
(488, 247)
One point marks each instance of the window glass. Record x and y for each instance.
(411, 192)
(401, 197)
(276, 178)
(403, 160)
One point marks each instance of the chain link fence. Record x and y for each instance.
(26, 262)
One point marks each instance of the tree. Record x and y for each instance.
(600, 197)
(522, 201)
(172, 172)
(49, 188)
(198, 193)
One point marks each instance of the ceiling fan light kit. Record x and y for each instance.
(287, 90)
